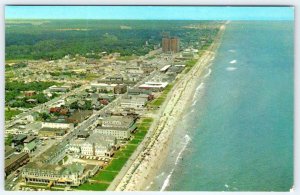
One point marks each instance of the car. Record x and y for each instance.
(15, 179)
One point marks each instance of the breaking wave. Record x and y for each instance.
(207, 74)
(167, 180)
(197, 90)
(230, 68)
(232, 62)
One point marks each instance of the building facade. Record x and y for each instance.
(170, 44)
(70, 175)
(117, 126)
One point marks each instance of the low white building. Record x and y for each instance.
(58, 125)
(133, 102)
(154, 86)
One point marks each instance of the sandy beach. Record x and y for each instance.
(144, 167)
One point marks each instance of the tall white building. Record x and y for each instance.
(117, 126)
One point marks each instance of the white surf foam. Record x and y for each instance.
(167, 180)
(232, 61)
(230, 68)
(208, 73)
(197, 90)
(160, 175)
(231, 50)
(194, 103)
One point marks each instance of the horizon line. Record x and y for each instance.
(263, 19)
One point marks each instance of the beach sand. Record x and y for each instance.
(145, 166)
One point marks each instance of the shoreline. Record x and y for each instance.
(146, 165)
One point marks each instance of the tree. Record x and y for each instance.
(45, 116)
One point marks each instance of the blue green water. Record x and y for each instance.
(238, 133)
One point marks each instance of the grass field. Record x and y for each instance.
(106, 176)
(11, 113)
(116, 164)
(160, 100)
(93, 187)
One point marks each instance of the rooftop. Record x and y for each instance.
(10, 160)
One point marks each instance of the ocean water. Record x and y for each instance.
(237, 134)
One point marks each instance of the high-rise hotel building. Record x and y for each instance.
(170, 44)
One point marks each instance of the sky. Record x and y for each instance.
(150, 12)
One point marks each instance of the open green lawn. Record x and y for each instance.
(93, 187)
(11, 113)
(160, 100)
(116, 164)
(147, 120)
(135, 140)
(157, 102)
(140, 134)
(106, 176)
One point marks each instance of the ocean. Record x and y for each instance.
(237, 133)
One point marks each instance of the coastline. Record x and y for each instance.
(146, 165)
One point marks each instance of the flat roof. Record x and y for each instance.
(10, 160)
(154, 84)
(165, 68)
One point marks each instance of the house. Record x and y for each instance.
(64, 111)
(18, 139)
(107, 97)
(120, 89)
(55, 88)
(29, 139)
(31, 101)
(54, 109)
(104, 102)
(29, 93)
(32, 117)
(30, 147)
